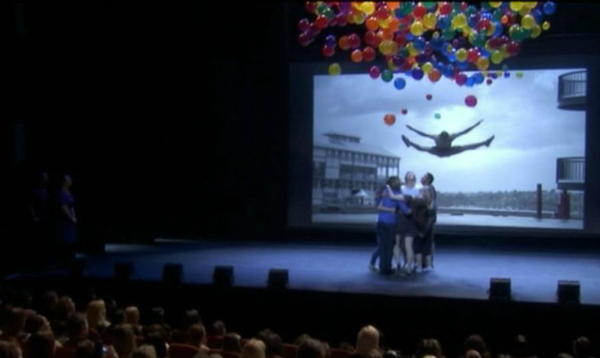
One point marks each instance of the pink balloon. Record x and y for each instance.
(471, 101)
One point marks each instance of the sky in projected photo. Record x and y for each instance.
(530, 131)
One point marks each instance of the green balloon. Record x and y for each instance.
(387, 75)
(448, 34)
(429, 4)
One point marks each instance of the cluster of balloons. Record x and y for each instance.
(428, 39)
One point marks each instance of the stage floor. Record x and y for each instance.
(459, 272)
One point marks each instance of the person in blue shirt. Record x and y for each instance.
(386, 225)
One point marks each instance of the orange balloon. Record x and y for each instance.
(372, 23)
(389, 119)
(393, 5)
(388, 34)
(357, 56)
(434, 75)
(394, 23)
(344, 42)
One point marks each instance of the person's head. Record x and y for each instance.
(41, 345)
(429, 347)
(85, 349)
(311, 348)
(444, 136)
(77, 327)
(96, 313)
(10, 350)
(521, 347)
(583, 348)
(37, 323)
(12, 321)
(471, 353)
(427, 179)
(273, 343)
(65, 308)
(476, 342)
(48, 303)
(231, 342)
(410, 179)
(132, 315)
(123, 339)
(191, 317)
(66, 181)
(301, 338)
(197, 335)
(367, 340)
(394, 182)
(156, 336)
(156, 316)
(254, 348)
(218, 328)
(145, 351)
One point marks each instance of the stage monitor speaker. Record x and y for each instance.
(278, 279)
(500, 288)
(123, 271)
(173, 273)
(223, 276)
(568, 291)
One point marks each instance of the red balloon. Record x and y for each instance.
(354, 40)
(305, 39)
(445, 8)
(374, 72)
(513, 48)
(328, 51)
(369, 54)
(389, 119)
(471, 101)
(310, 6)
(383, 13)
(496, 42)
(341, 19)
(400, 40)
(473, 55)
(304, 25)
(419, 11)
(322, 21)
(370, 37)
(483, 24)
(314, 29)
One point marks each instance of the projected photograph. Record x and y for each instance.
(507, 153)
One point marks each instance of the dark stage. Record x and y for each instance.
(460, 273)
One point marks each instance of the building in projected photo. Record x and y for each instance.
(347, 172)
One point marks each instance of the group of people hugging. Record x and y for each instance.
(406, 217)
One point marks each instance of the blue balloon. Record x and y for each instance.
(437, 116)
(484, 53)
(399, 83)
(330, 40)
(443, 22)
(421, 59)
(470, 82)
(499, 28)
(473, 20)
(410, 36)
(538, 16)
(506, 74)
(449, 71)
(417, 74)
(478, 78)
(437, 43)
(549, 8)
(398, 60)
(419, 43)
(462, 65)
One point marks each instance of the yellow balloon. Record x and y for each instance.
(335, 69)
(528, 22)
(516, 5)
(530, 4)
(495, 4)
(546, 25)
(384, 24)
(427, 67)
(412, 51)
(497, 57)
(429, 20)
(359, 18)
(384, 47)
(417, 28)
(536, 31)
(499, 73)
(467, 31)
(391, 65)
(461, 55)
(459, 21)
(482, 64)
(368, 7)
(524, 11)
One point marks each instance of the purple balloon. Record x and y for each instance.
(330, 40)
(471, 101)
(417, 74)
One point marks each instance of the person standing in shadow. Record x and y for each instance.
(66, 220)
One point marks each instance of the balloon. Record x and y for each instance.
(461, 79)
(459, 21)
(427, 67)
(389, 119)
(461, 55)
(344, 43)
(369, 54)
(513, 48)
(489, 81)
(328, 51)
(404, 111)
(472, 55)
(429, 20)
(374, 72)
(528, 22)
(536, 32)
(304, 25)
(368, 7)
(387, 75)
(334, 69)
(371, 23)
(434, 75)
(516, 5)
(497, 57)
(495, 4)
(549, 8)
(419, 11)
(357, 56)
(330, 41)
(322, 21)
(399, 83)
(482, 64)
(445, 8)
(429, 97)
(304, 39)
(417, 74)
(417, 28)
(354, 40)
(437, 116)
(519, 75)
(546, 25)
(471, 101)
